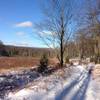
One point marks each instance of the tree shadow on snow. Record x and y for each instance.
(80, 93)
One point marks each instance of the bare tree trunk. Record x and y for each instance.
(62, 37)
(97, 47)
(61, 52)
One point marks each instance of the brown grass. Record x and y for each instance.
(16, 62)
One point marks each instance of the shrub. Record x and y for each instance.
(92, 59)
(67, 60)
(43, 64)
(97, 59)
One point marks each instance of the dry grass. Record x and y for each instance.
(20, 62)
(9, 62)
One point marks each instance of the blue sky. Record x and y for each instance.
(16, 20)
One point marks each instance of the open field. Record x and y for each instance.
(19, 62)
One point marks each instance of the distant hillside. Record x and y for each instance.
(9, 50)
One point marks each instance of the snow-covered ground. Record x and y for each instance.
(74, 83)
(16, 80)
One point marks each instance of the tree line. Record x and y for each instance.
(10, 51)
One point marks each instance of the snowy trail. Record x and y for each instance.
(80, 86)
(76, 90)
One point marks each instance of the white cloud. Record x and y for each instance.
(20, 33)
(46, 33)
(24, 24)
(51, 45)
(21, 44)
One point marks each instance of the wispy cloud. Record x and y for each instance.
(20, 33)
(21, 44)
(24, 24)
(44, 32)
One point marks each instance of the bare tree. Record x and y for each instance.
(55, 28)
(85, 43)
(94, 21)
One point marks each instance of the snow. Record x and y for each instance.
(73, 83)
(90, 66)
(17, 80)
(47, 88)
(26, 93)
